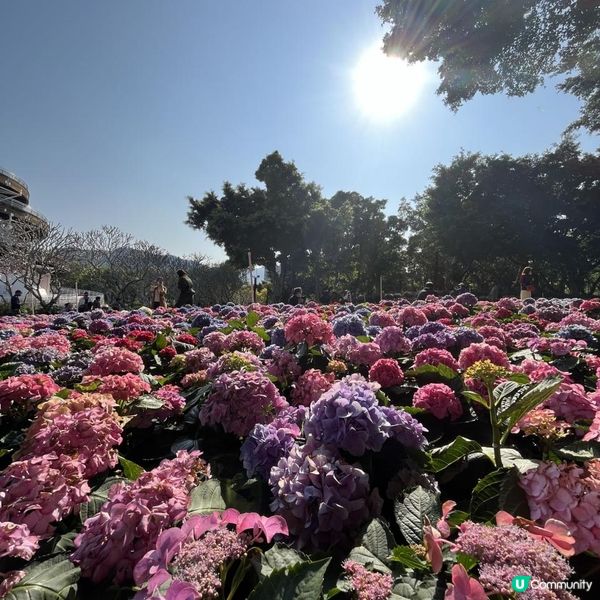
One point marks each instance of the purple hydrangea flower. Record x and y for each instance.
(349, 324)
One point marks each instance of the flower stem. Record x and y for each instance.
(495, 428)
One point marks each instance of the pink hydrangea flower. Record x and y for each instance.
(85, 427)
(129, 523)
(244, 340)
(382, 319)
(392, 341)
(198, 359)
(409, 316)
(215, 342)
(16, 540)
(439, 400)
(482, 351)
(570, 494)
(9, 580)
(434, 357)
(239, 400)
(112, 360)
(41, 490)
(386, 372)
(570, 402)
(365, 354)
(594, 430)
(284, 366)
(121, 387)
(173, 404)
(309, 328)
(24, 391)
(368, 585)
(310, 385)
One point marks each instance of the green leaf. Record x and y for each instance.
(456, 517)
(235, 324)
(446, 455)
(411, 512)
(443, 371)
(510, 458)
(277, 557)
(88, 387)
(485, 499)
(518, 378)
(365, 557)
(148, 402)
(378, 539)
(425, 587)
(383, 398)
(52, 579)
(466, 560)
(161, 341)
(64, 393)
(579, 451)
(131, 470)
(407, 557)
(523, 403)
(252, 318)
(97, 498)
(301, 581)
(207, 498)
(261, 332)
(475, 397)
(512, 496)
(363, 339)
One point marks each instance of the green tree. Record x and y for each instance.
(484, 217)
(506, 46)
(269, 221)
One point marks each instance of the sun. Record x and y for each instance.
(386, 87)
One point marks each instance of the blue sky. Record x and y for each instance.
(114, 112)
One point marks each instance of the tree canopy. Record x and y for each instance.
(502, 46)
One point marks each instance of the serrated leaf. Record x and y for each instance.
(443, 371)
(207, 498)
(475, 397)
(446, 455)
(427, 587)
(97, 498)
(510, 458)
(261, 332)
(407, 557)
(52, 579)
(410, 513)
(131, 470)
(378, 539)
(485, 498)
(301, 581)
(277, 557)
(365, 557)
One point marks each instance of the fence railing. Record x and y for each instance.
(20, 207)
(13, 177)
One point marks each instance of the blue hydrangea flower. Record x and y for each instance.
(349, 325)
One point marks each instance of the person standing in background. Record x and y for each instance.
(527, 283)
(186, 289)
(15, 303)
(159, 294)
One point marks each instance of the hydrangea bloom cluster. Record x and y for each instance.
(121, 387)
(482, 351)
(348, 416)
(435, 357)
(506, 551)
(386, 372)
(115, 361)
(392, 341)
(439, 400)
(310, 386)
(16, 540)
(84, 427)
(368, 585)
(39, 491)
(309, 328)
(244, 340)
(129, 523)
(570, 494)
(23, 391)
(321, 497)
(239, 400)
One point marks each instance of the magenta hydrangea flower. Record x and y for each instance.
(571, 403)
(476, 352)
(386, 372)
(187, 561)
(24, 391)
(310, 386)
(392, 341)
(39, 491)
(569, 493)
(435, 357)
(349, 416)
(129, 523)
(323, 499)
(111, 360)
(215, 342)
(382, 319)
(85, 427)
(438, 399)
(409, 316)
(244, 340)
(309, 328)
(16, 540)
(365, 354)
(239, 400)
(198, 359)
(368, 585)
(173, 404)
(284, 366)
(9, 580)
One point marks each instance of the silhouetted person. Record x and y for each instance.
(461, 288)
(85, 303)
(426, 291)
(296, 297)
(96, 303)
(527, 283)
(186, 289)
(15, 302)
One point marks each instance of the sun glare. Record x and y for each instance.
(386, 87)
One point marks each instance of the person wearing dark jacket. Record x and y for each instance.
(186, 289)
(426, 291)
(296, 297)
(15, 302)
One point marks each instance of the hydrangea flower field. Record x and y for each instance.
(434, 449)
